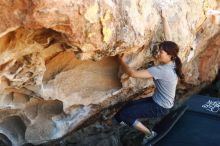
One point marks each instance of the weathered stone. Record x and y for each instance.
(58, 69)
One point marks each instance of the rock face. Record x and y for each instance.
(57, 59)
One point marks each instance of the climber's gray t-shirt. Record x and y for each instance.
(165, 80)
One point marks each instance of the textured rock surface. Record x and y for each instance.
(57, 64)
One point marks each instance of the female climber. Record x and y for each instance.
(165, 77)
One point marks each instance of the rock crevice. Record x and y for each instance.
(58, 64)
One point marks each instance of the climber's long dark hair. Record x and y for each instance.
(171, 48)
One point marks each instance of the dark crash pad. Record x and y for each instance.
(197, 123)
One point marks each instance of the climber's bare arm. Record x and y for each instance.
(132, 72)
(166, 28)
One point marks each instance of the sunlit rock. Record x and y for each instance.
(58, 63)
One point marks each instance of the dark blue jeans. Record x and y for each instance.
(142, 108)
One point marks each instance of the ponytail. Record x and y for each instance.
(172, 49)
(178, 68)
